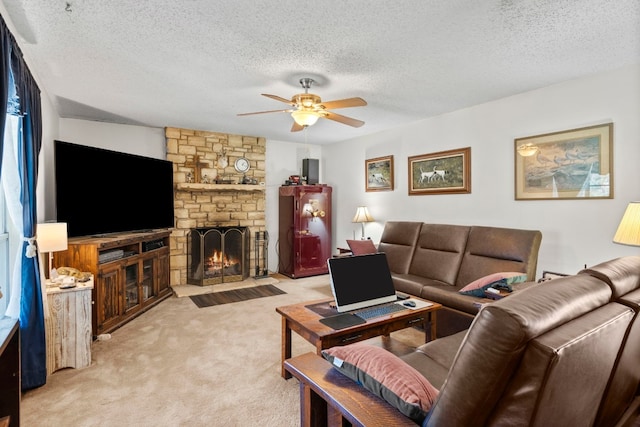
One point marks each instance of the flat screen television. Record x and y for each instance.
(100, 191)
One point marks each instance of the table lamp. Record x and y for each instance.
(362, 215)
(51, 237)
(628, 232)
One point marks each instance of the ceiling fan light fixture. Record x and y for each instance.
(305, 117)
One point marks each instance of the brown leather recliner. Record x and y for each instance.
(563, 353)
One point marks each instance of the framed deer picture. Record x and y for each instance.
(444, 172)
(379, 174)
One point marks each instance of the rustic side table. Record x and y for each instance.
(68, 327)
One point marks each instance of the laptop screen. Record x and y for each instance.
(361, 281)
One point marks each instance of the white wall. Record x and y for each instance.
(140, 140)
(45, 189)
(575, 232)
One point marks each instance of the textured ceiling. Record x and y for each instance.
(197, 63)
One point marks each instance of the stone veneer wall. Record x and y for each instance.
(212, 207)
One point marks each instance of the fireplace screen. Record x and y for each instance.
(217, 255)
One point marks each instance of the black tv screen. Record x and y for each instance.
(101, 191)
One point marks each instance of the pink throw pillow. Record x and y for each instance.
(385, 375)
(511, 276)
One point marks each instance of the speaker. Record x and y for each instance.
(310, 169)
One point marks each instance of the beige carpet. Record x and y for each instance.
(180, 365)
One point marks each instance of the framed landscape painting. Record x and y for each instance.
(445, 172)
(379, 174)
(572, 164)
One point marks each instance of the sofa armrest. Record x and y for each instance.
(327, 397)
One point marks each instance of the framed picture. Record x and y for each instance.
(445, 172)
(379, 174)
(572, 164)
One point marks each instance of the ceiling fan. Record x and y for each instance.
(308, 108)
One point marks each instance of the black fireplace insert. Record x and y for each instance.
(217, 255)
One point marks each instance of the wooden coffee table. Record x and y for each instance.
(306, 323)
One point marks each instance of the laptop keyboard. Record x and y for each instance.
(378, 310)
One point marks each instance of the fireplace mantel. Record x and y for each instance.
(192, 186)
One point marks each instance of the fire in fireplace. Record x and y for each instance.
(217, 255)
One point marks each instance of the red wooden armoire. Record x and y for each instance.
(305, 230)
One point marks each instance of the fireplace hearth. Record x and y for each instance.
(217, 255)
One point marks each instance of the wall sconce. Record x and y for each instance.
(362, 215)
(51, 237)
(527, 150)
(628, 232)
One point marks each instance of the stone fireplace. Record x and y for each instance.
(217, 255)
(208, 191)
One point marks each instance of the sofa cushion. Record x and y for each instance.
(477, 287)
(362, 247)
(398, 241)
(433, 371)
(386, 375)
(411, 284)
(622, 274)
(449, 296)
(492, 249)
(442, 350)
(439, 252)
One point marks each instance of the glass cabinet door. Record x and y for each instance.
(131, 294)
(147, 279)
(313, 229)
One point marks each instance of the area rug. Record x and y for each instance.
(190, 290)
(235, 295)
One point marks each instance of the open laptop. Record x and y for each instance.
(361, 281)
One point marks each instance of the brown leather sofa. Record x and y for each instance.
(435, 261)
(562, 353)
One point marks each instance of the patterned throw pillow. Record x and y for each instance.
(477, 287)
(385, 375)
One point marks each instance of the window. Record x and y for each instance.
(9, 235)
(4, 256)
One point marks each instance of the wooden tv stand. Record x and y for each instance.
(124, 286)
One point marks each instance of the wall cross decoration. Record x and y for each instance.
(197, 165)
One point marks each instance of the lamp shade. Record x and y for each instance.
(362, 215)
(305, 117)
(52, 236)
(628, 232)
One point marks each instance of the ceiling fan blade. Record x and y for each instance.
(279, 98)
(344, 103)
(263, 112)
(343, 119)
(296, 127)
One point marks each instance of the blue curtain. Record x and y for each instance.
(5, 72)
(32, 332)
